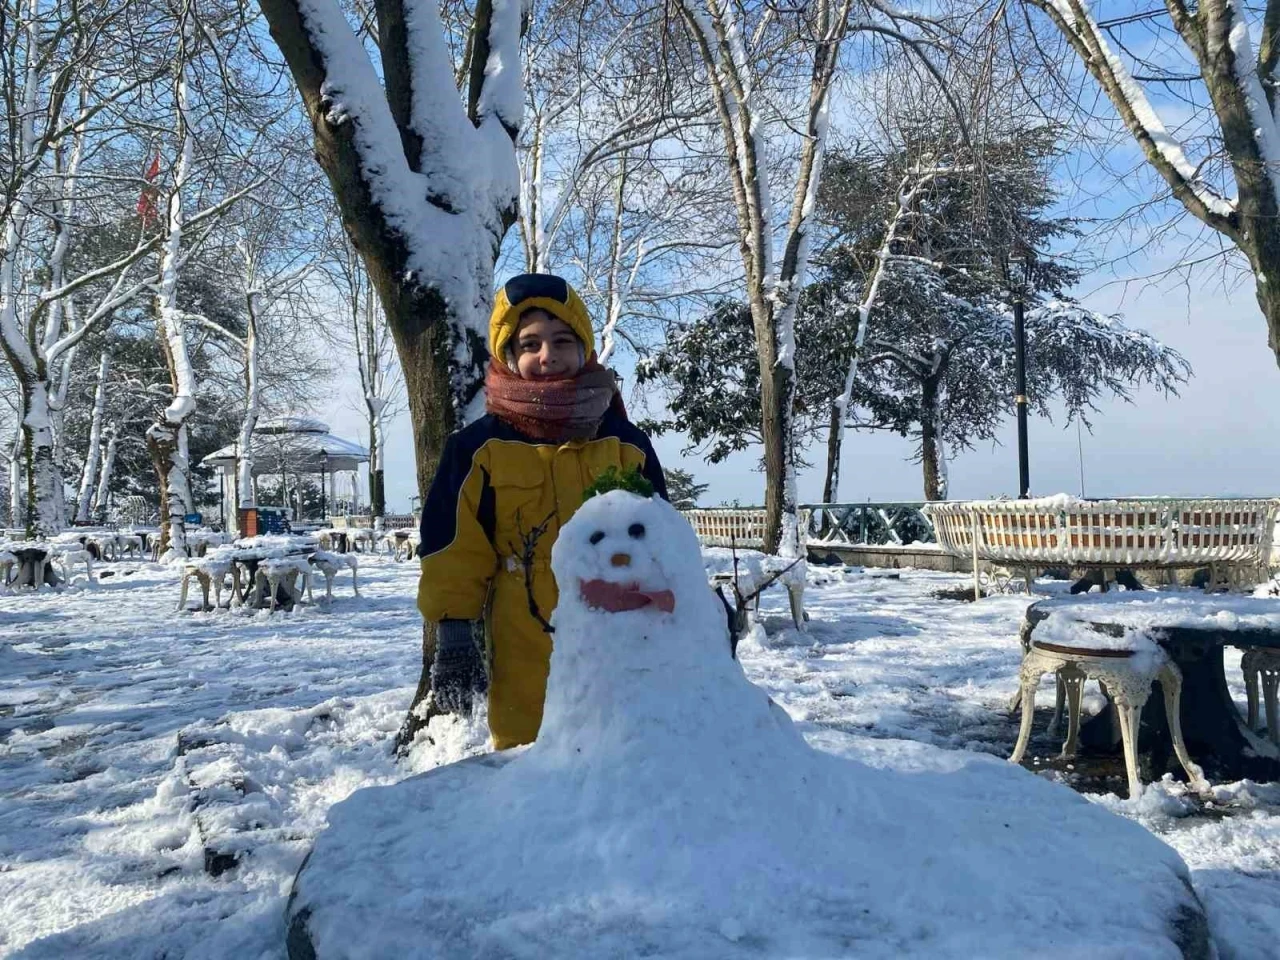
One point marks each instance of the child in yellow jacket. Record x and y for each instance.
(554, 423)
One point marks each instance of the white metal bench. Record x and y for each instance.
(1230, 537)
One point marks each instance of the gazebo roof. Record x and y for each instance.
(299, 444)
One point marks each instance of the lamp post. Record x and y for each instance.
(324, 506)
(1019, 278)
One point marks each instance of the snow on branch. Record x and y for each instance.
(1162, 148)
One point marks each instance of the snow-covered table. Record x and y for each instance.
(1192, 628)
(248, 554)
(34, 568)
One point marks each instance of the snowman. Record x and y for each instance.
(669, 809)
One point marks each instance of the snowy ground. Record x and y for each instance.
(144, 751)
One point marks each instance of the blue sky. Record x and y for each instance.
(1218, 437)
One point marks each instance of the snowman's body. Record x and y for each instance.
(669, 809)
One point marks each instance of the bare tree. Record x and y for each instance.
(364, 333)
(1202, 62)
(58, 106)
(732, 52)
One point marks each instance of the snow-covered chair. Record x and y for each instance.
(1263, 663)
(407, 544)
(329, 564)
(282, 571)
(1127, 661)
(7, 562)
(66, 557)
(105, 544)
(208, 571)
(360, 535)
(128, 544)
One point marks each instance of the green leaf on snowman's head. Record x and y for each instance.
(632, 480)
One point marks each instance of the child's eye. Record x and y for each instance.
(529, 346)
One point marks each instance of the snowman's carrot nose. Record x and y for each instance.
(620, 560)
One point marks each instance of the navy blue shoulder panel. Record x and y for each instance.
(440, 510)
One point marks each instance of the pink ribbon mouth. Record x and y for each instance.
(620, 597)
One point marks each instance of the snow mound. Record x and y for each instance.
(668, 808)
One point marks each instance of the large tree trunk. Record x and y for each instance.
(440, 343)
(44, 518)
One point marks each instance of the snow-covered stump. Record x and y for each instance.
(669, 808)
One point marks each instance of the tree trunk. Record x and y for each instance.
(104, 478)
(43, 480)
(929, 440)
(162, 443)
(167, 437)
(244, 468)
(15, 475)
(89, 476)
(441, 345)
(773, 391)
(835, 437)
(377, 461)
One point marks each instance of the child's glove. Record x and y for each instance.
(457, 673)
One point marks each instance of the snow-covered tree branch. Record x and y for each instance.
(425, 177)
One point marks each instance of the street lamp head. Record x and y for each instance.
(1021, 266)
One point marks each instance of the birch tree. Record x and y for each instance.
(93, 456)
(1213, 65)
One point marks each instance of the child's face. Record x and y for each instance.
(546, 348)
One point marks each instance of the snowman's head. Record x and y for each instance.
(622, 553)
(627, 563)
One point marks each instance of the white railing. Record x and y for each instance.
(390, 521)
(732, 526)
(1129, 533)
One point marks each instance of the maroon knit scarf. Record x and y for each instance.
(553, 411)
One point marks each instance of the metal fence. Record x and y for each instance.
(824, 524)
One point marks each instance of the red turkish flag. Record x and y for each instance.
(147, 200)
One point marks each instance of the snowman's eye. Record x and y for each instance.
(597, 537)
(636, 530)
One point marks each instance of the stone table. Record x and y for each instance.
(1193, 629)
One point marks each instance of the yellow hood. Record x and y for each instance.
(537, 291)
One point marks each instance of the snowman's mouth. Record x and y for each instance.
(619, 597)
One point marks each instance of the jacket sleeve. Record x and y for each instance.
(458, 559)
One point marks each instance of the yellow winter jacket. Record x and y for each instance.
(493, 488)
